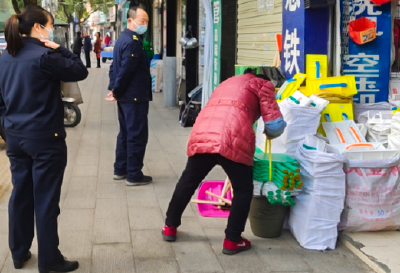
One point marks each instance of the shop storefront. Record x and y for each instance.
(340, 102)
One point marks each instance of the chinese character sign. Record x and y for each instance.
(293, 37)
(216, 43)
(370, 62)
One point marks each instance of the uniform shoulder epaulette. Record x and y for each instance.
(135, 38)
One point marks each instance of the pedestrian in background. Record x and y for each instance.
(30, 73)
(223, 135)
(77, 48)
(97, 48)
(130, 85)
(107, 39)
(87, 47)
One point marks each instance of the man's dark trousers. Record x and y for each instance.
(87, 56)
(37, 168)
(78, 54)
(132, 139)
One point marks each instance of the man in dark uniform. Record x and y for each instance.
(87, 47)
(78, 43)
(130, 85)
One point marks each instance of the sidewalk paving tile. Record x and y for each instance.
(111, 208)
(76, 220)
(149, 244)
(160, 265)
(145, 218)
(113, 258)
(111, 231)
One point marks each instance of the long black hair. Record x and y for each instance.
(254, 72)
(19, 24)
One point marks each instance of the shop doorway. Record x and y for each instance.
(228, 39)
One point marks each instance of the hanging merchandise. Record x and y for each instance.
(314, 219)
(372, 200)
(189, 43)
(362, 30)
(380, 2)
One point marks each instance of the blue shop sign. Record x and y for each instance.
(370, 62)
(293, 17)
(304, 31)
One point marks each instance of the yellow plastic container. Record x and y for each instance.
(316, 66)
(343, 86)
(290, 86)
(336, 112)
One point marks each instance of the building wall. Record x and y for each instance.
(256, 42)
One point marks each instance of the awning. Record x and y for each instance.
(58, 22)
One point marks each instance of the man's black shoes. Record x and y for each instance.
(20, 264)
(66, 266)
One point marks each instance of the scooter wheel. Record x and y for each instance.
(72, 114)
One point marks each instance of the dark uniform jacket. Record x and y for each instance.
(30, 89)
(77, 45)
(87, 46)
(130, 77)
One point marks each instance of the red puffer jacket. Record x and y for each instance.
(224, 126)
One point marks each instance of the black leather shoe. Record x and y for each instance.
(66, 266)
(20, 264)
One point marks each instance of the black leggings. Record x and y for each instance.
(98, 62)
(197, 168)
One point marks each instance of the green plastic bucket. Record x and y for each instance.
(267, 220)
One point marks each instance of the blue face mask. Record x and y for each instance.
(141, 29)
(51, 34)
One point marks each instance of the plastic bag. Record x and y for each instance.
(373, 195)
(314, 219)
(301, 120)
(394, 142)
(361, 110)
(379, 126)
(396, 124)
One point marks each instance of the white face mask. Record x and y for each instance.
(51, 34)
(141, 29)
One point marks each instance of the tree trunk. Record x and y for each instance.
(15, 6)
(26, 3)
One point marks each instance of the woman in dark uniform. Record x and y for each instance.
(30, 73)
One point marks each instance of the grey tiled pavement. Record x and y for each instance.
(109, 227)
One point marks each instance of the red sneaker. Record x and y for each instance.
(232, 248)
(169, 233)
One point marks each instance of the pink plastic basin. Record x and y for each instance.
(207, 210)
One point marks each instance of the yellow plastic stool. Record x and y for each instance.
(336, 112)
(343, 85)
(316, 66)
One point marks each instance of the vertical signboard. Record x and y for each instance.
(216, 42)
(370, 62)
(293, 16)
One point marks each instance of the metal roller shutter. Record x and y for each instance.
(256, 43)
